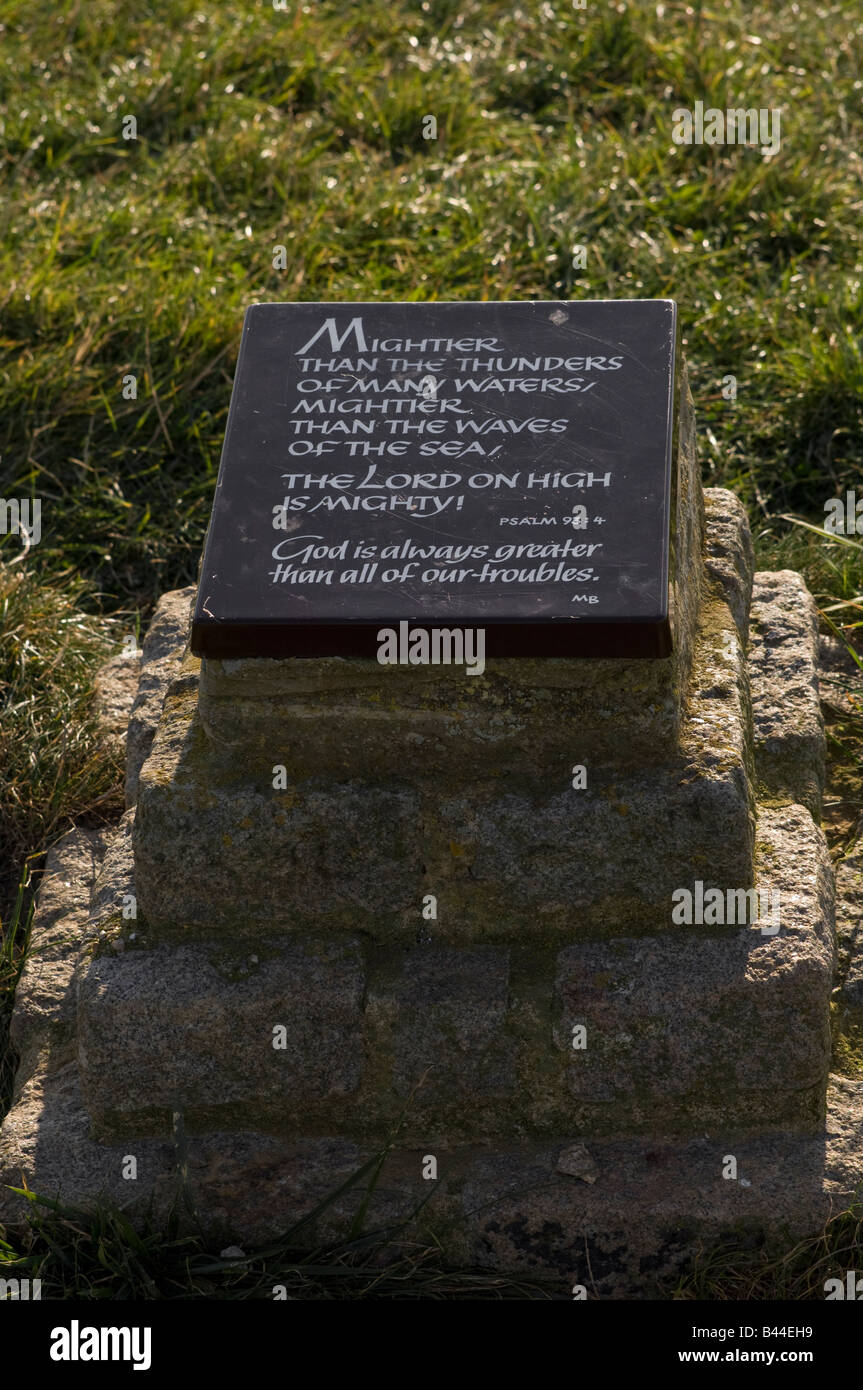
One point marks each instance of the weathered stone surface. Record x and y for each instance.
(688, 1030)
(43, 1020)
(655, 1205)
(655, 1201)
(112, 895)
(191, 1028)
(116, 684)
(849, 932)
(490, 1046)
(605, 859)
(238, 1180)
(349, 856)
(436, 1027)
(162, 651)
(352, 857)
(577, 1162)
(728, 554)
(687, 540)
(46, 1140)
(322, 718)
(597, 861)
(429, 1014)
(786, 713)
(343, 855)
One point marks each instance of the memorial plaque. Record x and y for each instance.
(505, 466)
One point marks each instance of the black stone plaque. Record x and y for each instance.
(499, 465)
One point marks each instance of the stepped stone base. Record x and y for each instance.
(152, 1036)
(692, 1028)
(619, 1215)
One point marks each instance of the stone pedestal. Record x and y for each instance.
(389, 873)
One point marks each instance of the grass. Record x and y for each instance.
(53, 761)
(796, 1273)
(13, 946)
(258, 128)
(302, 128)
(55, 765)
